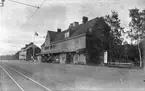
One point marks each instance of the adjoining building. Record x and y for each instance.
(80, 44)
(29, 52)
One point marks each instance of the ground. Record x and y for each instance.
(66, 77)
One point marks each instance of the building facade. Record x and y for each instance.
(22, 54)
(80, 44)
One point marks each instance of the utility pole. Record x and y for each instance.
(2, 3)
(34, 48)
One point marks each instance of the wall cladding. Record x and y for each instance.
(22, 55)
(67, 45)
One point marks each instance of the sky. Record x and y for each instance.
(15, 32)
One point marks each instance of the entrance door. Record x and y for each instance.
(69, 58)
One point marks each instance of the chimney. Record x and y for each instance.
(58, 30)
(71, 25)
(75, 24)
(84, 19)
(26, 45)
(31, 43)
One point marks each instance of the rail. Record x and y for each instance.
(46, 88)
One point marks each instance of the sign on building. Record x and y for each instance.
(105, 57)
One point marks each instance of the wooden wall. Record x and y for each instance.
(67, 45)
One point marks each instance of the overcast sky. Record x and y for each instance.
(52, 15)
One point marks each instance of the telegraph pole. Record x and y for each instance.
(2, 3)
(33, 48)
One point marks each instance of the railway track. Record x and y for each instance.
(23, 82)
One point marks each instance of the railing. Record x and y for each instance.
(119, 64)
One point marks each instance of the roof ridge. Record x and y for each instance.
(51, 31)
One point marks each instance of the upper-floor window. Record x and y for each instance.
(46, 47)
(66, 34)
(90, 30)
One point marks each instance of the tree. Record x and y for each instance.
(116, 32)
(137, 29)
(137, 25)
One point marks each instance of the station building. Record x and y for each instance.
(80, 44)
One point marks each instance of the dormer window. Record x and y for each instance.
(90, 30)
(66, 34)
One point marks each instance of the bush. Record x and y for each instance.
(126, 53)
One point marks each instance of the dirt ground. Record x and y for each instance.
(66, 77)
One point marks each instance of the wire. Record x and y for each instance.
(28, 19)
(33, 14)
(30, 1)
(24, 4)
(42, 3)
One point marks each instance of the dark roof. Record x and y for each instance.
(81, 29)
(27, 46)
(52, 35)
(60, 36)
(84, 27)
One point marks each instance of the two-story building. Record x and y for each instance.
(79, 44)
(29, 51)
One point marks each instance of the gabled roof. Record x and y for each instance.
(29, 46)
(81, 29)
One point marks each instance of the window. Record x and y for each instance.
(52, 46)
(46, 47)
(66, 34)
(90, 30)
